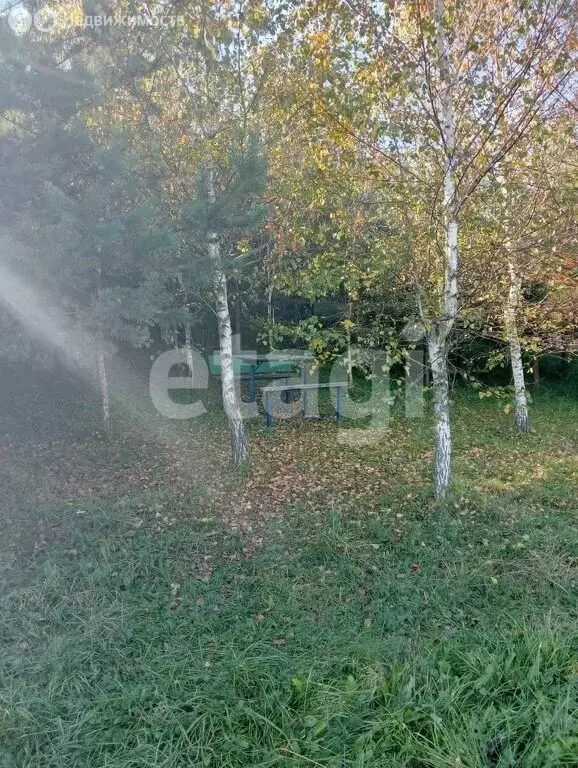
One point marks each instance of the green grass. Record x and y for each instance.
(415, 635)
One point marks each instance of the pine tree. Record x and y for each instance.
(38, 99)
(110, 253)
(95, 239)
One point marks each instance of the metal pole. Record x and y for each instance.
(305, 392)
(252, 402)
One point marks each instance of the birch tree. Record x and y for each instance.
(218, 219)
(529, 216)
(412, 83)
(217, 84)
(438, 333)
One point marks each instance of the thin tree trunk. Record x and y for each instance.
(237, 344)
(188, 332)
(521, 400)
(536, 371)
(239, 443)
(510, 320)
(103, 386)
(443, 437)
(349, 357)
(189, 349)
(101, 371)
(437, 338)
(270, 317)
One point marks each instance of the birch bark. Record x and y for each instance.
(189, 350)
(521, 400)
(437, 337)
(443, 437)
(521, 414)
(239, 443)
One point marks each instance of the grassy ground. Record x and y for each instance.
(319, 610)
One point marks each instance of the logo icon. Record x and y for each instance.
(19, 19)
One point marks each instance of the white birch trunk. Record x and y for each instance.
(189, 350)
(349, 360)
(239, 443)
(510, 321)
(437, 338)
(443, 437)
(103, 386)
(521, 400)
